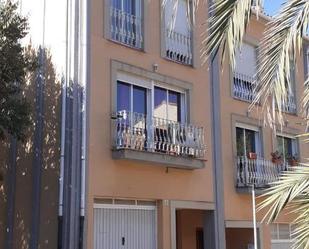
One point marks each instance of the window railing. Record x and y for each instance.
(258, 172)
(137, 131)
(126, 28)
(243, 87)
(178, 47)
(290, 104)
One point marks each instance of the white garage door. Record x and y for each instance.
(124, 227)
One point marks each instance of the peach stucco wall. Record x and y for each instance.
(188, 222)
(238, 206)
(129, 179)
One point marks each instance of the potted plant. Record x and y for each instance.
(276, 157)
(293, 160)
(252, 155)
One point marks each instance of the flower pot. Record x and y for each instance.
(293, 162)
(277, 160)
(252, 155)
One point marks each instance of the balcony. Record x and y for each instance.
(126, 28)
(243, 87)
(178, 47)
(258, 172)
(161, 141)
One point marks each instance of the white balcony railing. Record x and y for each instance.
(243, 87)
(178, 47)
(290, 105)
(139, 132)
(126, 28)
(258, 172)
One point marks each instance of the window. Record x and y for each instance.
(281, 235)
(245, 70)
(177, 30)
(247, 140)
(168, 104)
(287, 146)
(152, 118)
(126, 22)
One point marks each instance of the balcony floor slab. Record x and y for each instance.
(160, 159)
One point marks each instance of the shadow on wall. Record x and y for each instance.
(40, 151)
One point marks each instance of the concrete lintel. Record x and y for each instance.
(161, 159)
(240, 224)
(198, 205)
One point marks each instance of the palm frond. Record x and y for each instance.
(227, 26)
(305, 100)
(292, 184)
(282, 41)
(291, 192)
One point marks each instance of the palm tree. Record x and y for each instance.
(282, 41)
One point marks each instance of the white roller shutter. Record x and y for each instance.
(246, 60)
(182, 25)
(120, 227)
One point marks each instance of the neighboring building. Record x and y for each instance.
(159, 150)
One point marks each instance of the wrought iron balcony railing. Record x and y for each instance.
(243, 87)
(258, 172)
(136, 131)
(126, 28)
(178, 47)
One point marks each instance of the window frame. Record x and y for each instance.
(295, 147)
(278, 240)
(150, 95)
(163, 36)
(107, 25)
(254, 42)
(257, 138)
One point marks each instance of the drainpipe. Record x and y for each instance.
(218, 185)
(254, 217)
(65, 80)
(84, 79)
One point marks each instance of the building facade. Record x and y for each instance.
(158, 148)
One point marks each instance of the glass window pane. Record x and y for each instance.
(240, 141)
(123, 96)
(288, 147)
(280, 145)
(160, 103)
(139, 100)
(250, 141)
(174, 106)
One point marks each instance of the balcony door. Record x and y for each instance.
(247, 140)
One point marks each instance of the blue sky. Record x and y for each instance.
(272, 6)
